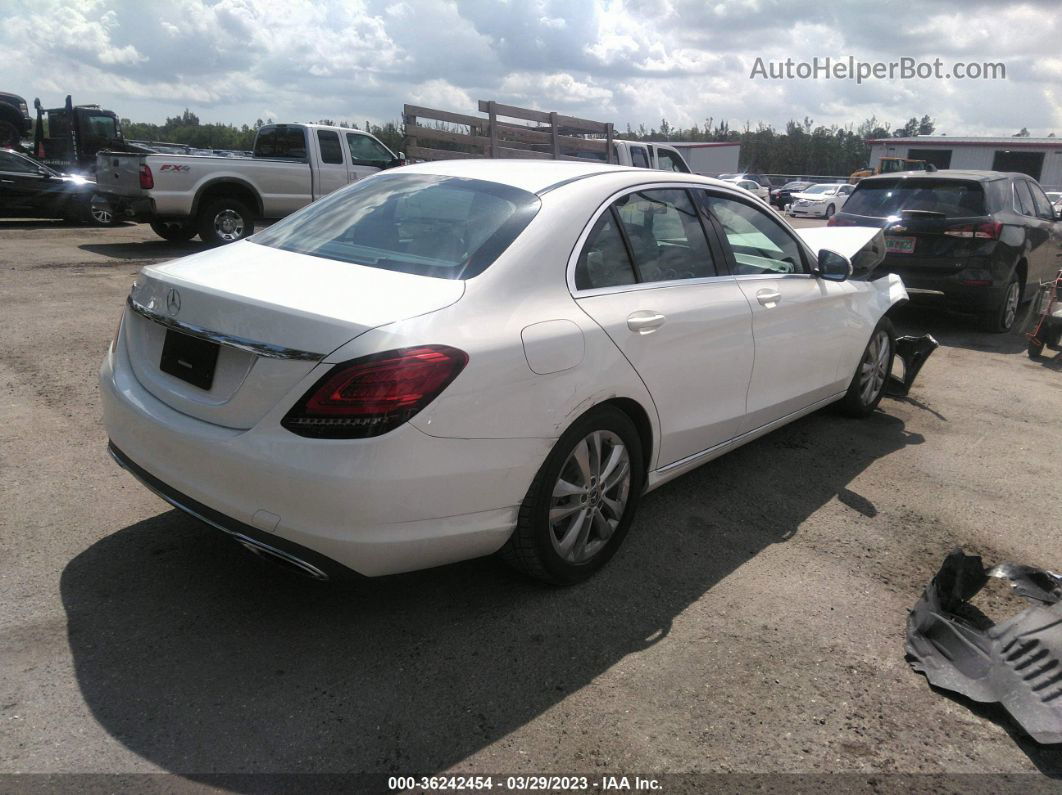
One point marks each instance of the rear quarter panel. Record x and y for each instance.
(283, 186)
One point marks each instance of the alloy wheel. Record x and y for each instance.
(1010, 308)
(101, 216)
(228, 224)
(874, 368)
(589, 496)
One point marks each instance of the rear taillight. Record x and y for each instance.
(375, 394)
(147, 181)
(986, 230)
(833, 220)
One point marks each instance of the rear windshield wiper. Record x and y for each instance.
(922, 214)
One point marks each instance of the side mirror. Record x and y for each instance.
(44, 173)
(1058, 213)
(832, 266)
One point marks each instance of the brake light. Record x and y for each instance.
(986, 230)
(147, 181)
(375, 394)
(833, 220)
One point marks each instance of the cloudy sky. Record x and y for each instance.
(628, 61)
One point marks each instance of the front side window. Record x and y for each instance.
(101, 126)
(758, 242)
(669, 161)
(444, 227)
(329, 143)
(366, 151)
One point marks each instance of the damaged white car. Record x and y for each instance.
(464, 357)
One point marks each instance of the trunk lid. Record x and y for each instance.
(279, 314)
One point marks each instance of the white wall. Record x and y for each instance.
(978, 158)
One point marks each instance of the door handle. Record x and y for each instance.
(768, 297)
(645, 321)
(8, 181)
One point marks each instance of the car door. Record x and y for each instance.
(843, 192)
(367, 156)
(332, 168)
(802, 325)
(653, 278)
(22, 186)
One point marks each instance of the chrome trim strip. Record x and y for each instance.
(247, 541)
(264, 349)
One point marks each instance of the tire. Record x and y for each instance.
(1001, 319)
(224, 220)
(174, 231)
(830, 211)
(872, 373)
(572, 548)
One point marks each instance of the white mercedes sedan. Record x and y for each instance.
(459, 358)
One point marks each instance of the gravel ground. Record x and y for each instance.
(753, 621)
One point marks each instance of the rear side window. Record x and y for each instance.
(1024, 200)
(758, 242)
(604, 261)
(639, 157)
(951, 198)
(329, 143)
(1043, 206)
(281, 141)
(429, 225)
(665, 236)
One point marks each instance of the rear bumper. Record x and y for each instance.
(399, 502)
(963, 290)
(137, 208)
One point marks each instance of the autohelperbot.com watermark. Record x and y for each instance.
(852, 68)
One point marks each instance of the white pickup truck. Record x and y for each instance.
(219, 198)
(642, 154)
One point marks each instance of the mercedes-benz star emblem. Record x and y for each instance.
(173, 301)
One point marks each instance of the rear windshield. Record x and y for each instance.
(445, 227)
(881, 198)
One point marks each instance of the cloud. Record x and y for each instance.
(629, 61)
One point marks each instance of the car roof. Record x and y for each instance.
(537, 176)
(945, 173)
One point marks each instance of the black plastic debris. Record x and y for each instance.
(913, 352)
(1017, 662)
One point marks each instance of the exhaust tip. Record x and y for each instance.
(280, 558)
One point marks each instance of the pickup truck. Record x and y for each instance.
(643, 155)
(220, 198)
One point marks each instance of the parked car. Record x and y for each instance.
(752, 187)
(220, 198)
(780, 197)
(977, 241)
(760, 179)
(471, 356)
(819, 201)
(29, 189)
